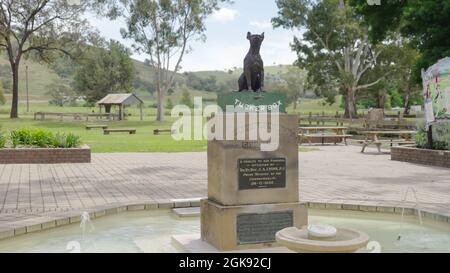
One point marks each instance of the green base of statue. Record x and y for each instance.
(252, 102)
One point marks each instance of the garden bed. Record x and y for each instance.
(81, 154)
(438, 158)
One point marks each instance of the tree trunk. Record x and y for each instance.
(160, 110)
(15, 91)
(350, 104)
(407, 101)
(381, 99)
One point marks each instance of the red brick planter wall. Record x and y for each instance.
(45, 155)
(421, 156)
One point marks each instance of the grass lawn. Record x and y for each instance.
(143, 141)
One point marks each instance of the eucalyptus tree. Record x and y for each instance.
(295, 79)
(335, 47)
(38, 28)
(424, 22)
(163, 30)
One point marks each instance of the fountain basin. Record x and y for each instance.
(300, 240)
(152, 230)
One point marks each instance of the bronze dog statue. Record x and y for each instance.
(253, 76)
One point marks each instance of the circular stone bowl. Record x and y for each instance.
(345, 241)
(321, 232)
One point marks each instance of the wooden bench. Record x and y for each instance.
(89, 127)
(159, 131)
(324, 137)
(130, 131)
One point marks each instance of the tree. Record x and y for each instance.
(60, 94)
(296, 84)
(103, 71)
(208, 84)
(163, 29)
(38, 28)
(169, 104)
(186, 98)
(395, 64)
(424, 22)
(336, 50)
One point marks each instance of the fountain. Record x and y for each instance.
(405, 196)
(322, 238)
(85, 221)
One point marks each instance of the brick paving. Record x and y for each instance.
(333, 174)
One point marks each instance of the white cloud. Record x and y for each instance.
(261, 25)
(224, 15)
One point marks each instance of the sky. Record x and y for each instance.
(226, 44)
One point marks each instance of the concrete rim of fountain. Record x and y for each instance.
(299, 240)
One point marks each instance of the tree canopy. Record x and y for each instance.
(425, 22)
(162, 29)
(334, 49)
(103, 71)
(38, 28)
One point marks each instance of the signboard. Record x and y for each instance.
(253, 102)
(261, 173)
(436, 81)
(256, 228)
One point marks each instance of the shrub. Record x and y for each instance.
(43, 138)
(2, 140)
(441, 139)
(21, 137)
(72, 141)
(59, 140)
(421, 135)
(421, 139)
(441, 145)
(88, 104)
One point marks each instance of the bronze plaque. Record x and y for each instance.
(257, 228)
(261, 173)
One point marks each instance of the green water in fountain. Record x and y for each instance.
(151, 231)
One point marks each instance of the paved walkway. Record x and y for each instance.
(335, 174)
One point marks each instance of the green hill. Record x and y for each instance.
(40, 75)
(223, 76)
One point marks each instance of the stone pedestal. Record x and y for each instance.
(239, 173)
(248, 226)
(252, 194)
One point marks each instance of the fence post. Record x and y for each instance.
(310, 118)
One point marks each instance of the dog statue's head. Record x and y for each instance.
(255, 40)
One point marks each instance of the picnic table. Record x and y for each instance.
(321, 133)
(374, 138)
